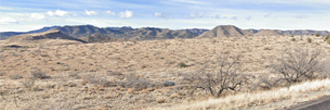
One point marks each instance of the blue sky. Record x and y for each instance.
(25, 15)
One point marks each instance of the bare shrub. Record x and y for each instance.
(298, 64)
(38, 74)
(268, 83)
(134, 81)
(325, 68)
(15, 77)
(215, 83)
(28, 83)
(100, 80)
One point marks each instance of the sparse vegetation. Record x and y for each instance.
(109, 75)
(298, 64)
(327, 37)
(215, 83)
(309, 40)
(38, 74)
(317, 35)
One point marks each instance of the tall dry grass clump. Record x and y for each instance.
(245, 100)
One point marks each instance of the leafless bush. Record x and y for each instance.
(28, 83)
(100, 80)
(15, 77)
(267, 82)
(215, 83)
(325, 68)
(38, 74)
(134, 81)
(298, 64)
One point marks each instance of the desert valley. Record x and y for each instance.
(85, 67)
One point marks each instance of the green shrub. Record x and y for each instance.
(328, 41)
(293, 39)
(317, 35)
(327, 37)
(309, 40)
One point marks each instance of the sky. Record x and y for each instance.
(25, 15)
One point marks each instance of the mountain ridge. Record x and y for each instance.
(150, 33)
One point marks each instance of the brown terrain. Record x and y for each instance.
(225, 31)
(52, 70)
(267, 33)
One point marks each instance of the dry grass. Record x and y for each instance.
(249, 100)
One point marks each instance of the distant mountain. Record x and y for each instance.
(147, 33)
(5, 35)
(293, 32)
(302, 32)
(98, 37)
(225, 31)
(150, 33)
(51, 34)
(267, 33)
(197, 31)
(252, 30)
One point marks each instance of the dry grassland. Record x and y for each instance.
(137, 75)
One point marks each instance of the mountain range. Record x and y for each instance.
(90, 33)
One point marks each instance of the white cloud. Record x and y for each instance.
(159, 15)
(126, 14)
(268, 15)
(248, 18)
(219, 17)
(60, 13)
(111, 12)
(234, 18)
(90, 13)
(5, 8)
(36, 16)
(196, 15)
(7, 20)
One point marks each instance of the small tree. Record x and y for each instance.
(309, 40)
(215, 83)
(317, 35)
(297, 64)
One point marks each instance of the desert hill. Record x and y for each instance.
(267, 33)
(225, 31)
(98, 37)
(5, 35)
(197, 31)
(51, 34)
(48, 38)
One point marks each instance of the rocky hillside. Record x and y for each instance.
(98, 37)
(225, 31)
(197, 31)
